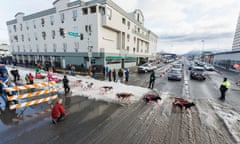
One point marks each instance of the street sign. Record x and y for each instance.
(74, 34)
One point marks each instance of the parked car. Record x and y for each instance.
(209, 67)
(198, 73)
(175, 74)
(145, 68)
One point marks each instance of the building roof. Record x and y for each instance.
(228, 52)
(81, 3)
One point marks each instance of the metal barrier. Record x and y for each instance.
(50, 89)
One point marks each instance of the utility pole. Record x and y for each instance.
(89, 47)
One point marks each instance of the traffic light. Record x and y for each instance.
(61, 30)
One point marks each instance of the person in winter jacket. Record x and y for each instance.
(58, 112)
(114, 75)
(27, 79)
(223, 88)
(120, 75)
(65, 84)
(31, 78)
(126, 75)
(152, 80)
(110, 75)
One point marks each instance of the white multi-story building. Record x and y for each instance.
(236, 40)
(105, 32)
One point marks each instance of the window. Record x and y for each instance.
(18, 48)
(22, 37)
(27, 27)
(76, 45)
(53, 34)
(127, 48)
(29, 39)
(44, 35)
(74, 15)
(123, 20)
(109, 13)
(129, 24)
(85, 11)
(134, 39)
(16, 38)
(52, 20)
(42, 22)
(128, 37)
(21, 27)
(45, 47)
(9, 29)
(62, 17)
(34, 24)
(35, 34)
(139, 30)
(64, 47)
(134, 50)
(15, 28)
(54, 47)
(102, 10)
(37, 46)
(93, 9)
(61, 30)
(88, 28)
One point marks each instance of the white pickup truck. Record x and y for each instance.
(146, 68)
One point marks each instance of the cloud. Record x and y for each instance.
(182, 24)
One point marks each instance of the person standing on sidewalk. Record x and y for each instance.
(120, 75)
(114, 75)
(110, 75)
(152, 80)
(66, 85)
(223, 88)
(126, 75)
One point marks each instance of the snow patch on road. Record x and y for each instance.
(230, 118)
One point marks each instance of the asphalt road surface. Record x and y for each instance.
(96, 122)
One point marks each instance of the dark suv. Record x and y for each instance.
(197, 73)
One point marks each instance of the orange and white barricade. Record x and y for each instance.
(40, 96)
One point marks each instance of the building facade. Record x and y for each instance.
(236, 40)
(227, 60)
(96, 32)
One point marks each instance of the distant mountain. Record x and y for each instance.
(192, 53)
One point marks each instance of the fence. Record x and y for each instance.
(44, 92)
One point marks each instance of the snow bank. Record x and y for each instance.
(230, 118)
(91, 93)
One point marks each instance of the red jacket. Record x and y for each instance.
(57, 110)
(31, 77)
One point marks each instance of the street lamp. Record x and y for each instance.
(89, 30)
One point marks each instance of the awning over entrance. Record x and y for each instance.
(120, 57)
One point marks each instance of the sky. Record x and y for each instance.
(182, 25)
